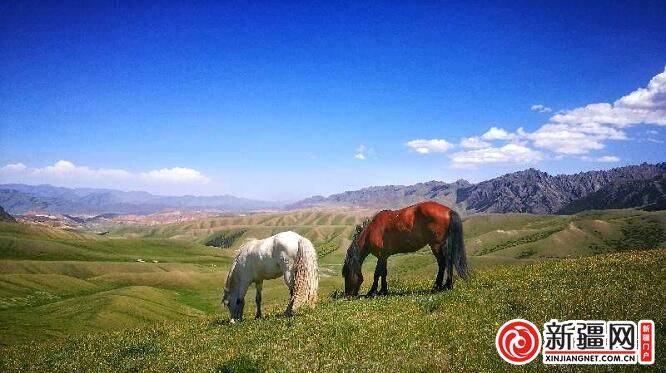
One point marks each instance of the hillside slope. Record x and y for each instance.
(646, 194)
(56, 283)
(408, 330)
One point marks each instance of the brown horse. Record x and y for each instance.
(406, 230)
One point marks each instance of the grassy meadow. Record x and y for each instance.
(148, 296)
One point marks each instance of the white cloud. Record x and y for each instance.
(572, 139)
(507, 154)
(495, 133)
(68, 169)
(604, 159)
(429, 146)
(540, 108)
(653, 97)
(66, 173)
(575, 132)
(175, 175)
(473, 143)
(644, 105)
(12, 168)
(360, 152)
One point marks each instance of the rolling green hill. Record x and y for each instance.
(408, 330)
(56, 283)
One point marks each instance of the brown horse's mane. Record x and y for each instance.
(353, 258)
(360, 228)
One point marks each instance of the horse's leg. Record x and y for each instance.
(448, 258)
(441, 266)
(288, 276)
(257, 299)
(373, 289)
(383, 272)
(289, 281)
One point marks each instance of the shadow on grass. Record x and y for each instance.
(339, 295)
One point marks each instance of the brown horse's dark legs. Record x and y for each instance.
(448, 257)
(441, 264)
(373, 289)
(383, 272)
(380, 273)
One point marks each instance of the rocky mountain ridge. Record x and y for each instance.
(530, 191)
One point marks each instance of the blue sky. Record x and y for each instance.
(287, 100)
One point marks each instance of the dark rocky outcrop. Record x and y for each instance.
(4, 216)
(645, 194)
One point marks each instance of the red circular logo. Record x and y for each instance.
(518, 341)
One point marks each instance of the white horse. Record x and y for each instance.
(287, 254)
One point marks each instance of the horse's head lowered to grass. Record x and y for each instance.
(231, 298)
(351, 269)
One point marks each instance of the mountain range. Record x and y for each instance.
(529, 191)
(18, 199)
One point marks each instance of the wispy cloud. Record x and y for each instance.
(175, 175)
(473, 143)
(429, 146)
(603, 159)
(495, 133)
(12, 168)
(507, 154)
(360, 152)
(539, 108)
(68, 169)
(69, 173)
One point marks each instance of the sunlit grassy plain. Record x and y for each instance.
(71, 291)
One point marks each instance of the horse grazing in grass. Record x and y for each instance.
(285, 254)
(402, 231)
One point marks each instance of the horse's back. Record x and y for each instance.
(286, 243)
(410, 228)
(272, 255)
(433, 210)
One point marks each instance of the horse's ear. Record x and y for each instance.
(359, 229)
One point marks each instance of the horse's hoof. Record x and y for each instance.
(370, 295)
(437, 289)
(383, 293)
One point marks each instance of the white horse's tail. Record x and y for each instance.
(306, 277)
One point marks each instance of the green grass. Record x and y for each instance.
(57, 287)
(410, 329)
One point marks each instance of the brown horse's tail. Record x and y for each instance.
(455, 245)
